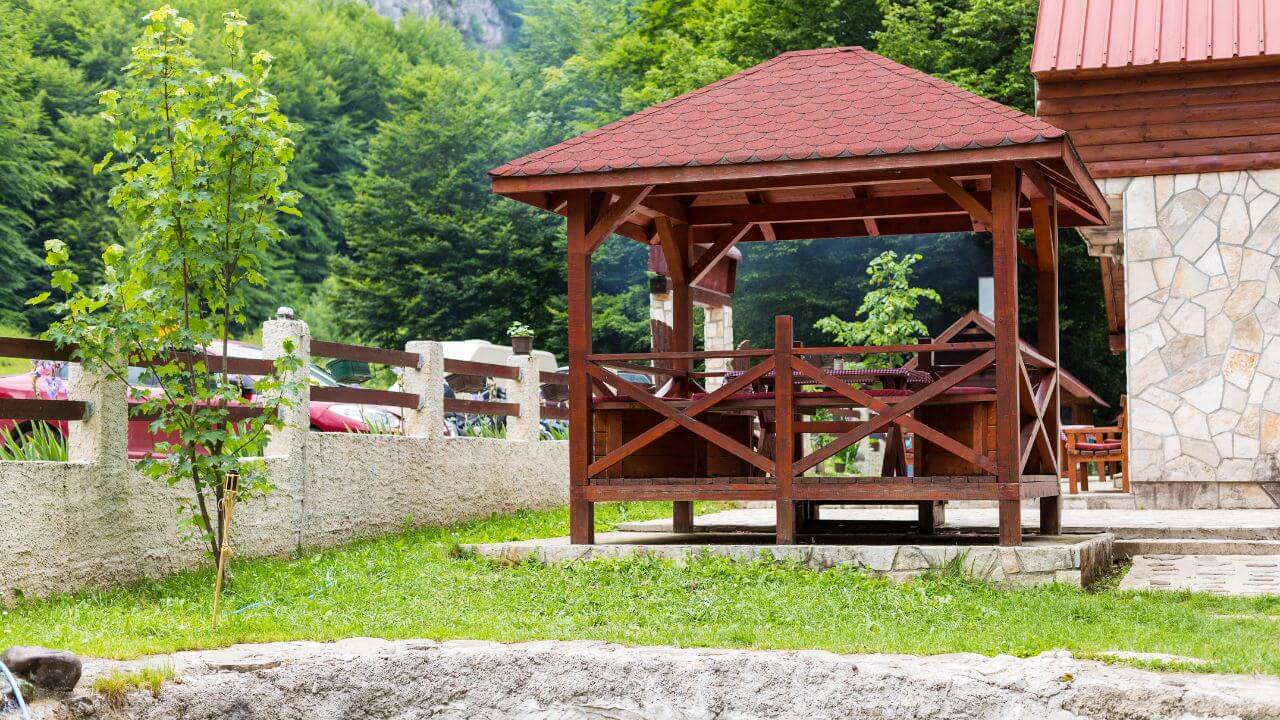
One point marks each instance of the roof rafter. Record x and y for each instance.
(811, 210)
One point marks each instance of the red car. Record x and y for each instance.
(325, 417)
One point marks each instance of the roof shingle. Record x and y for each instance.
(840, 102)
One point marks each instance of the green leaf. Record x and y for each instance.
(106, 159)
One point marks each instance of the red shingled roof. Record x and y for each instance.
(841, 102)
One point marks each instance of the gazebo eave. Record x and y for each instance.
(1047, 163)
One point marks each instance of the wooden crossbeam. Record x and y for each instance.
(724, 242)
(614, 215)
(766, 229)
(674, 249)
(1040, 176)
(671, 207)
(676, 418)
(1034, 184)
(896, 414)
(1035, 399)
(1035, 438)
(979, 211)
(872, 225)
(1029, 432)
(642, 369)
(1026, 392)
(891, 206)
(1044, 392)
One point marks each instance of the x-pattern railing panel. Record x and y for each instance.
(896, 414)
(677, 418)
(1035, 399)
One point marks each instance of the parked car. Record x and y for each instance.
(325, 416)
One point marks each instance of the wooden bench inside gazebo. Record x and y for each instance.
(814, 144)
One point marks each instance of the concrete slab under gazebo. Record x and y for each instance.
(814, 144)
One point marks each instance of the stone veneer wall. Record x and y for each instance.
(1202, 284)
(717, 330)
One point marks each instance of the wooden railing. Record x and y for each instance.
(796, 384)
(483, 372)
(366, 354)
(62, 410)
(53, 410)
(555, 402)
(475, 372)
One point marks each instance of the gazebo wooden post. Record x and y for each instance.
(677, 249)
(1044, 217)
(581, 511)
(1004, 248)
(784, 438)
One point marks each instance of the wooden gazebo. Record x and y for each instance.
(814, 144)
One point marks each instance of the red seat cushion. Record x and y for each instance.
(1098, 446)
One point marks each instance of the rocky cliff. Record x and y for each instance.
(481, 21)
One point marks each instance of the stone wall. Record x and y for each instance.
(717, 330)
(1202, 282)
(98, 520)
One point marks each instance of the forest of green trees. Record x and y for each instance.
(400, 237)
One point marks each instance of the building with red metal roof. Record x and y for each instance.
(1112, 34)
(1175, 105)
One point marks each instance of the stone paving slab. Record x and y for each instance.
(1222, 574)
(1071, 559)
(1181, 524)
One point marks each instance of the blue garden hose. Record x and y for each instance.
(17, 692)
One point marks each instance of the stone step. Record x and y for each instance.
(1234, 574)
(1131, 547)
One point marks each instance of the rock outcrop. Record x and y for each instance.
(364, 679)
(478, 20)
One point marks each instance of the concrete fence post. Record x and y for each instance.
(427, 381)
(527, 392)
(103, 437)
(291, 440)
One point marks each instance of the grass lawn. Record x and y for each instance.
(13, 366)
(416, 585)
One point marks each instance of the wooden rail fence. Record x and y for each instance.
(62, 410)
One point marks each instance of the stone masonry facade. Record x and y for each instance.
(717, 329)
(1202, 294)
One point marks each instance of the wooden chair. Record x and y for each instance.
(1106, 446)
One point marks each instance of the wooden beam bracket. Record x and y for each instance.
(615, 214)
(980, 213)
